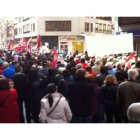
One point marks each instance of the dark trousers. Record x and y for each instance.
(110, 112)
(81, 120)
(20, 104)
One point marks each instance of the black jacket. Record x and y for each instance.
(19, 84)
(80, 94)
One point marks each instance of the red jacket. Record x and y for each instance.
(9, 111)
(93, 73)
(84, 65)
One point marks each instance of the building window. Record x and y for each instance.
(103, 28)
(86, 27)
(15, 31)
(33, 27)
(91, 27)
(26, 28)
(105, 18)
(58, 25)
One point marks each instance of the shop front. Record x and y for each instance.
(71, 44)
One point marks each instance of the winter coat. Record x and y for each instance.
(9, 72)
(79, 95)
(9, 111)
(61, 114)
(128, 93)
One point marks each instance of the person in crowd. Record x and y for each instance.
(5, 65)
(109, 91)
(73, 73)
(80, 94)
(109, 66)
(33, 88)
(128, 93)
(60, 76)
(1, 67)
(43, 71)
(11, 84)
(21, 63)
(9, 111)
(120, 74)
(71, 63)
(51, 77)
(97, 66)
(10, 71)
(99, 80)
(89, 71)
(96, 100)
(49, 64)
(133, 113)
(54, 107)
(19, 80)
(63, 84)
(137, 67)
(83, 63)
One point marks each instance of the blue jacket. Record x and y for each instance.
(9, 72)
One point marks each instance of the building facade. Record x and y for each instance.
(65, 33)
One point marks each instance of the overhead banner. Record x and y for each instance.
(105, 45)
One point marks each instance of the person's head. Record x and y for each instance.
(5, 65)
(51, 88)
(119, 76)
(110, 79)
(51, 72)
(35, 65)
(133, 74)
(66, 73)
(82, 60)
(71, 58)
(44, 63)
(73, 70)
(18, 69)
(103, 70)
(20, 58)
(88, 68)
(79, 66)
(60, 70)
(133, 112)
(4, 84)
(80, 73)
(90, 78)
(109, 65)
(98, 62)
(49, 64)
(15, 63)
(11, 84)
(137, 65)
(118, 65)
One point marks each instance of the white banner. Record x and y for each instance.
(105, 45)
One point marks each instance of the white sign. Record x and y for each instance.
(105, 45)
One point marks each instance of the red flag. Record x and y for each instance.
(30, 45)
(9, 45)
(131, 55)
(38, 43)
(55, 57)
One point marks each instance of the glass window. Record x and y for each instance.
(26, 28)
(58, 25)
(86, 27)
(33, 27)
(91, 27)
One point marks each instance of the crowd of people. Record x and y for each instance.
(80, 89)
